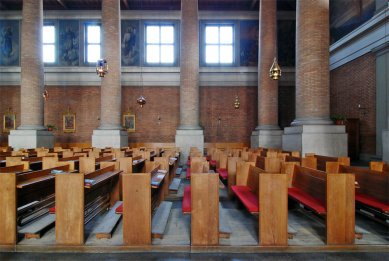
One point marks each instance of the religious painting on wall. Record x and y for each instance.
(68, 42)
(130, 43)
(69, 122)
(9, 43)
(129, 122)
(249, 43)
(9, 122)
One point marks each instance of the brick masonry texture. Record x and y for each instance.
(353, 84)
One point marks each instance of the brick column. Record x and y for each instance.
(111, 90)
(267, 133)
(189, 133)
(312, 63)
(31, 133)
(110, 133)
(32, 76)
(189, 60)
(313, 131)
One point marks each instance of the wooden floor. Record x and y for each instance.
(310, 234)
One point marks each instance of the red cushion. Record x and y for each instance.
(188, 173)
(188, 163)
(248, 198)
(212, 162)
(222, 173)
(186, 201)
(307, 200)
(119, 209)
(371, 202)
(52, 210)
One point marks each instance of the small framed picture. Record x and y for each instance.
(129, 122)
(9, 122)
(69, 122)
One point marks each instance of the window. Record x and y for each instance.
(219, 44)
(93, 43)
(49, 44)
(160, 44)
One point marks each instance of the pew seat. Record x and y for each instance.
(247, 197)
(186, 201)
(188, 163)
(371, 202)
(188, 173)
(222, 173)
(307, 200)
(212, 163)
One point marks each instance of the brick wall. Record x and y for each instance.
(162, 102)
(234, 125)
(353, 84)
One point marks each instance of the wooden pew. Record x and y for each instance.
(266, 193)
(379, 166)
(371, 196)
(80, 198)
(331, 196)
(231, 171)
(24, 199)
(270, 165)
(323, 160)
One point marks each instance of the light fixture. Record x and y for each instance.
(102, 67)
(236, 103)
(275, 70)
(141, 101)
(45, 95)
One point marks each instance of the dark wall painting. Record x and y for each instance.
(347, 15)
(9, 43)
(130, 42)
(69, 42)
(249, 43)
(286, 38)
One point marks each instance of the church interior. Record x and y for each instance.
(199, 127)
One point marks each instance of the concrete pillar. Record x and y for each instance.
(189, 133)
(267, 133)
(313, 131)
(31, 133)
(110, 133)
(385, 142)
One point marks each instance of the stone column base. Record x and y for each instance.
(109, 138)
(267, 139)
(30, 139)
(326, 140)
(185, 139)
(385, 146)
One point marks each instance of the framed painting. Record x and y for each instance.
(129, 122)
(9, 122)
(69, 122)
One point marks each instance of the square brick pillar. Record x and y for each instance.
(385, 145)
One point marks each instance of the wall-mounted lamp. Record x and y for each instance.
(45, 95)
(363, 110)
(159, 119)
(275, 70)
(102, 67)
(236, 103)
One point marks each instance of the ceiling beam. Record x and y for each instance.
(253, 3)
(125, 2)
(62, 4)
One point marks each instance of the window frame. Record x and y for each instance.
(55, 44)
(86, 43)
(176, 43)
(235, 42)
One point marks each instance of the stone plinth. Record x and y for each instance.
(326, 140)
(109, 138)
(185, 139)
(30, 139)
(266, 138)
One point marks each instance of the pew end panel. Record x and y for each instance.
(205, 209)
(231, 170)
(87, 164)
(288, 169)
(273, 216)
(242, 172)
(69, 193)
(8, 214)
(340, 220)
(136, 209)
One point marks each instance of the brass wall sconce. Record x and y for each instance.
(141, 101)
(102, 67)
(363, 110)
(45, 95)
(159, 119)
(275, 70)
(236, 103)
